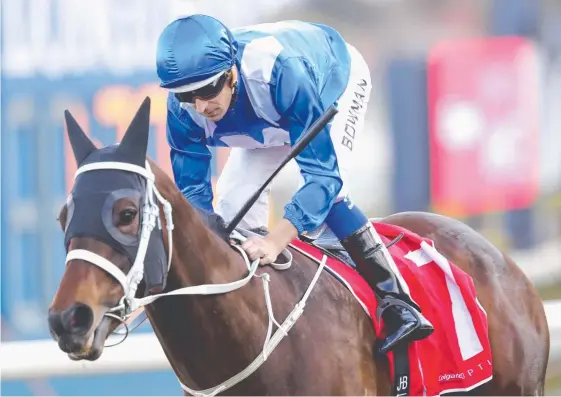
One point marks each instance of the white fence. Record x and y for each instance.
(553, 311)
(43, 358)
(142, 352)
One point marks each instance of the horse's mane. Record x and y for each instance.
(171, 193)
(212, 220)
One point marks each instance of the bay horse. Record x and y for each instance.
(211, 337)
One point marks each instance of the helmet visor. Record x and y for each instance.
(206, 92)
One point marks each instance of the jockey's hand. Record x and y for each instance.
(261, 248)
(268, 248)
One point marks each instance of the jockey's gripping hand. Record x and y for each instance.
(268, 248)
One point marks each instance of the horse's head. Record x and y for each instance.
(111, 240)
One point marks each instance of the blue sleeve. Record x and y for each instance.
(298, 101)
(190, 157)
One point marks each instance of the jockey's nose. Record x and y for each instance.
(200, 105)
(76, 320)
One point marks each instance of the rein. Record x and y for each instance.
(129, 303)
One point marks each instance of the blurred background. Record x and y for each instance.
(463, 120)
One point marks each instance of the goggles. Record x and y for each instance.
(206, 92)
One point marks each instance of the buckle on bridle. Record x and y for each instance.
(129, 306)
(124, 309)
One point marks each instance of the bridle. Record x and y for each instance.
(150, 218)
(129, 303)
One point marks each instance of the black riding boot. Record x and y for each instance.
(402, 317)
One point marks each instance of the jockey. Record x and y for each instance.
(256, 90)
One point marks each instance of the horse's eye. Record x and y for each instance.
(126, 217)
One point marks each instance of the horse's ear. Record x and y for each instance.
(135, 142)
(82, 146)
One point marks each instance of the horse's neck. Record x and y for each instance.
(199, 254)
(209, 338)
(198, 332)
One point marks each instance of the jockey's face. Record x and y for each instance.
(216, 107)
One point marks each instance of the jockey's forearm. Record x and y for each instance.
(283, 233)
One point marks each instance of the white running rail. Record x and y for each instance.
(142, 352)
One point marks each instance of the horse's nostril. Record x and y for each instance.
(78, 319)
(83, 317)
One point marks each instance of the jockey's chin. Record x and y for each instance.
(215, 115)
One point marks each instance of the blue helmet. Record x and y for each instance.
(193, 50)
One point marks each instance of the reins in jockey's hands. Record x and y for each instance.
(268, 248)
